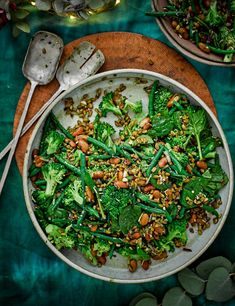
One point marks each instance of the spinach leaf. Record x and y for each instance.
(197, 123)
(214, 179)
(129, 217)
(137, 254)
(161, 126)
(190, 192)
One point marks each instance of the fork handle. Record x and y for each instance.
(17, 135)
(32, 120)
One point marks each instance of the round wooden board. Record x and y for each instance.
(121, 50)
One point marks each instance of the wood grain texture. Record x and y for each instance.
(121, 50)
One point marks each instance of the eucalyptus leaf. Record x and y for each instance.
(220, 287)
(144, 299)
(15, 31)
(21, 14)
(43, 5)
(177, 297)
(23, 26)
(206, 267)
(233, 271)
(191, 282)
(58, 6)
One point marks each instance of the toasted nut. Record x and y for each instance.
(72, 144)
(203, 47)
(202, 164)
(97, 175)
(162, 162)
(89, 194)
(174, 24)
(38, 161)
(114, 160)
(141, 182)
(94, 227)
(148, 188)
(136, 235)
(101, 260)
(173, 99)
(147, 126)
(120, 184)
(144, 121)
(120, 175)
(144, 219)
(79, 131)
(132, 265)
(145, 264)
(156, 194)
(189, 169)
(93, 252)
(83, 145)
(83, 137)
(35, 152)
(147, 236)
(160, 255)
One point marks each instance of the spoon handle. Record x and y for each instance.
(17, 135)
(32, 120)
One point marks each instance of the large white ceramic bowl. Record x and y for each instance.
(115, 269)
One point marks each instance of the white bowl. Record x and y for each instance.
(116, 270)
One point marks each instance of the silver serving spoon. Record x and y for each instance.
(80, 65)
(39, 67)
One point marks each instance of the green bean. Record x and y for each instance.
(190, 29)
(155, 210)
(100, 156)
(64, 183)
(154, 160)
(100, 144)
(211, 210)
(92, 211)
(99, 234)
(178, 106)
(45, 131)
(125, 154)
(165, 14)
(83, 171)
(56, 202)
(173, 109)
(40, 182)
(129, 148)
(64, 162)
(146, 199)
(151, 98)
(34, 172)
(221, 51)
(60, 127)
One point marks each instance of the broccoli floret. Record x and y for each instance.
(41, 199)
(53, 174)
(59, 237)
(213, 18)
(101, 247)
(176, 232)
(178, 141)
(107, 105)
(54, 140)
(161, 97)
(76, 158)
(114, 200)
(136, 107)
(73, 193)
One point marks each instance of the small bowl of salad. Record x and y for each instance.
(128, 176)
(202, 30)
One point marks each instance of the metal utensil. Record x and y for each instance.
(39, 67)
(77, 67)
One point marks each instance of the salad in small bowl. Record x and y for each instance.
(128, 176)
(202, 30)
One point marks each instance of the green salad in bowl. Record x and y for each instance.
(137, 186)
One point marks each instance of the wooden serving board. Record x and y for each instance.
(121, 50)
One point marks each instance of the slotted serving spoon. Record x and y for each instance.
(80, 65)
(39, 67)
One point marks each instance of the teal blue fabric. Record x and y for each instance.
(30, 274)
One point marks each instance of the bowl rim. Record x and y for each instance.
(27, 157)
(162, 23)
